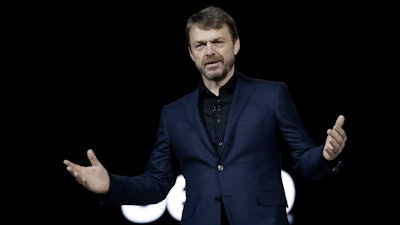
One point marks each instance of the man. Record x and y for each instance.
(224, 138)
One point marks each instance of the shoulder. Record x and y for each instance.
(189, 98)
(259, 83)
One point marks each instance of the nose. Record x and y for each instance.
(210, 49)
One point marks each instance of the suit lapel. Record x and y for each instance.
(243, 92)
(192, 111)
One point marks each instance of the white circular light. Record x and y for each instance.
(144, 214)
(176, 198)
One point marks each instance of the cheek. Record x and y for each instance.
(197, 58)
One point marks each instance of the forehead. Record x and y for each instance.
(198, 35)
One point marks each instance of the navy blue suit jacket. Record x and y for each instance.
(247, 175)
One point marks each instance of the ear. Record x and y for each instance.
(236, 46)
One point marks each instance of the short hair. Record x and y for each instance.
(211, 18)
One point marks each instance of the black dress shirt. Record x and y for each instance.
(214, 112)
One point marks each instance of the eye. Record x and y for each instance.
(199, 46)
(219, 43)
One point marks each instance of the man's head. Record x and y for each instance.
(211, 18)
(213, 42)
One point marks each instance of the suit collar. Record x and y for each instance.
(242, 92)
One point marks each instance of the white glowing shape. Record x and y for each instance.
(290, 189)
(144, 214)
(177, 197)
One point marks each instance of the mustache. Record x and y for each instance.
(211, 59)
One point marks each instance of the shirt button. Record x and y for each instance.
(220, 167)
(220, 143)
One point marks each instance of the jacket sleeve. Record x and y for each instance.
(306, 155)
(154, 184)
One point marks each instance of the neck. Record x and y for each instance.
(214, 86)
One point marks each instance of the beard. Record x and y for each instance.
(219, 73)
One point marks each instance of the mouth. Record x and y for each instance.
(212, 60)
(211, 63)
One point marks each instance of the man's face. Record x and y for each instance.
(213, 52)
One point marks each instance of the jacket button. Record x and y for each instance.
(220, 167)
(218, 199)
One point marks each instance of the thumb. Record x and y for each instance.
(92, 158)
(339, 121)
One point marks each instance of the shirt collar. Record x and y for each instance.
(229, 87)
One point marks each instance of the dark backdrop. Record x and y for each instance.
(103, 72)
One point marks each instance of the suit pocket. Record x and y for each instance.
(271, 198)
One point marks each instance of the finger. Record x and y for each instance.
(71, 167)
(338, 133)
(92, 158)
(330, 149)
(69, 164)
(339, 121)
(337, 140)
(335, 145)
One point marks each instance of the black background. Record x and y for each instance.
(97, 75)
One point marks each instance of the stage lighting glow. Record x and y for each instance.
(175, 200)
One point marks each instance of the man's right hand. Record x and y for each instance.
(95, 177)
